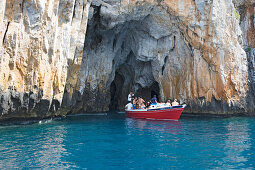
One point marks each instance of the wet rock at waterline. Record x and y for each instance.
(77, 56)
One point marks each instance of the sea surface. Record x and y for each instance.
(112, 141)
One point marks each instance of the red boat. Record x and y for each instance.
(163, 113)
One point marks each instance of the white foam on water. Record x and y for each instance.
(45, 121)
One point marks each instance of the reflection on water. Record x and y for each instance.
(52, 142)
(173, 127)
(44, 147)
(236, 142)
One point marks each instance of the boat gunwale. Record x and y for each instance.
(158, 109)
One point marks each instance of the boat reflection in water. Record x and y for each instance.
(169, 126)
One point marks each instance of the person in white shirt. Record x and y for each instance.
(129, 106)
(130, 96)
(168, 103)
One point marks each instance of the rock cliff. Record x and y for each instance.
(41, 45)
(68, 56)
(246, 10)
(189, 50)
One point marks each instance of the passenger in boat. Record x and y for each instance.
(129, 106)
(154, 100)
(134, 103)
(148, 104)
(130, 96)
(135, 98)
(168, 103)
(143, 106)
(175, 103)
(140, 103)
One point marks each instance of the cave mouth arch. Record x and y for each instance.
(131, 52)
(123, 84)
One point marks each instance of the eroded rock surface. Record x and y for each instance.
(189, 50)
(246, 10)
(184, 49)
(41, 43)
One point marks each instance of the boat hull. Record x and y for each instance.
(172, 113)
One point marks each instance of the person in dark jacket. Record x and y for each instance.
(154, 100)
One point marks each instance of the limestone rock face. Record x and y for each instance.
(189, 50)
(74, 55)
(247, 22)
(41, 43)
(246, 14)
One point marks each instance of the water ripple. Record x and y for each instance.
(116, 142)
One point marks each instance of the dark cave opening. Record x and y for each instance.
(119, 90)
(128, 48)
(154, 93)
(127, 79)
(116, 92)
(155, 90)
(148, 92)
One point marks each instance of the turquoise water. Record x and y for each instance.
(115, 142)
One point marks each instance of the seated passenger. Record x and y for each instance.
(154, 100)
(134, 103)
(129, 106)
(133, 107)
(175, 103)
(140, 102)
(143, 106)
(168, 103)
(148, 104)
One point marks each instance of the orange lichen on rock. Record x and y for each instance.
(251, 31)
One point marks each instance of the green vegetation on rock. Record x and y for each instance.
(237, 15)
